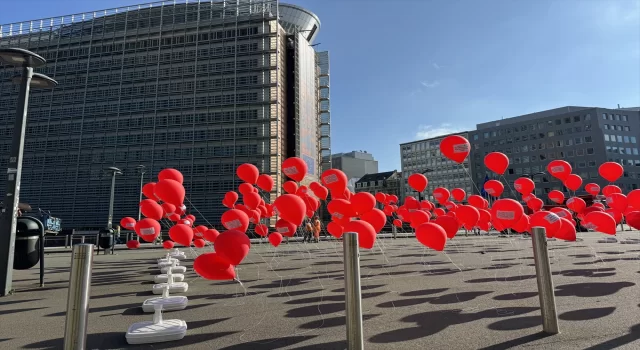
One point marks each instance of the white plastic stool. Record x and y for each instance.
(177, 254)
(174, 287)
(175, 269)
(156, 331)
(168, 303)
(162, 278)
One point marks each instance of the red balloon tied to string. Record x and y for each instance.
(254, 217)
(592, 189)
(321, 192)
(366, 233)
(275, 239)
(233, 246)
(212, 266)
(476, 201)
(485, 215)
(251, 200)
(291, 208)
(388, 210)
(181, 234)
(559, 169)
(611, 189)
(199, 243)
(439, 212)
(576, 204)
(451, 206)
(633, 198)
(149, 190)
(128, 223)
(335, 180)
(341, 208)
(418, 218)
(294, 168)
(265, 182)
(168, 208)
(397, 223)
(381, 197)
(494, 188)
(617, 201)
(411, 203)
(616, 215)
(302, 191)
(148, 229)
(171, 174)
(199, 230)
(458, 194)
(376, 218)
(455, 147)
(133, 244)
(418, 182)
(507, 211)
(248, 173)
(173, 217)
(535, 204)
(522, 225)
(441, 194)
(633, 219)
(363, 202)
(528, 197)
(335, 229)
(601, 222)
(573, 182)
(230, 199)
(592, 209)
(550, 221)
(497, 162)
(262, 230)
(245, 188)
(167, 244)
(290, 187)
(611, 171)
(562, 213)
(170, 191)
(497, 224)
(185, 221)
(234, 219)
(524, 185)
(567, 231)
(485, 226)
(191, 218)
(211, 235)
(468, 215)
(449, 224)
(432, 235)
(286, 228)
(393, 199)
(556, 196)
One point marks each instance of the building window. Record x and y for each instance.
(576, 119)
(558, 121)
(606, 126)
(604, 116)
(587, 116)
(592, 163)
(580, 152)
(475, 137)
(626, 139)
(590, 150)
(616, 117)
(633, 139)
(626, 128)
(551, 134)
(619, 138)
(588, 139)
(624, 118)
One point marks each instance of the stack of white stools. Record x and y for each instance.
(174, 287)
(156, 331)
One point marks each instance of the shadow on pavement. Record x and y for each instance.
(633, 335)
(515, 296)
(332, 322)
(586, 314)
(587, 290)
(516, 343)
(269, 344)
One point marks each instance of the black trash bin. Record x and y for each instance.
(27, 248)
(105, 240)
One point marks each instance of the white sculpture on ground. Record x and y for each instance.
(168, 303)
(174, 287)
(174, 268)
(156, 331)
(177, 254)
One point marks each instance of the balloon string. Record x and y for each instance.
(196, 209)
(509, 185)
(470, 178)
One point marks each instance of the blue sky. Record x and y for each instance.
(408, 69)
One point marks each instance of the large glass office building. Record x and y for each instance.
(201, 86)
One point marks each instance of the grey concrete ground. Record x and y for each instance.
(479, 294)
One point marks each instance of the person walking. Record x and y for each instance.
(308, 230)
(316, 229)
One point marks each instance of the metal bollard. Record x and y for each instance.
(82, 239)
(75, 328)
(353, 295)
(66, 241)
(545, 283)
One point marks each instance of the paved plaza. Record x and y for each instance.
(480, 293)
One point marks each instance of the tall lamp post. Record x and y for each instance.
(27, 60)
(141, 169)
(114, 171)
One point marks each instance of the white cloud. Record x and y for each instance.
(430, 84)
(436, 66)
(429, 131)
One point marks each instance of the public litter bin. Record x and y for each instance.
(29, 243)
(105, 239)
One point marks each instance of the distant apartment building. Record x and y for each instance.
(585, 137)
(423, 156)
(355, 164)
(389, 182)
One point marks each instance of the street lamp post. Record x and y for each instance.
(114, 171)
(140, 168)
(8, 216)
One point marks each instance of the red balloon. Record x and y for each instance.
(180, 209)
(616, 215)
(230, 199)
(392, 199)
(128, 223)
(633, 198)
(455, 147)
(559, 169)
(265, 182)
(375, 217)
(191, 218)
(171, 174)
(601, 222)
(248, 173)
(397, 223)
(182, 234)
(494, 188)
(458, 194)
(573, 182)
(291, 208)
(170, 191)
(290, 187)
(524, 185)
(468, 215)
(476, 201)
(212, 266)
(556, 196)
(151, 209)
(321, 192)
(418, 182)
(275, 239)
(168, 208)
(550, 221)
(528, 197)
(302, 191)
(363, 202)
(576, 204)
(439, 212)
(450, 206)
(497, 224)
(441, 194)
(133, 244)
(449, 224)
(235, 219)
(335, 229)
(286, 228)
(485, 215)
(522, 225)
(497, 162)
(381, 197)
(295, 168)
(185, 221)
(535, 204)
(592, 189)
(366, 233)
(148, 229)
(167, 244)
(611, 171)
(633, 219)
(149, 190)
(335, 180)
(211, 235)
(610, 189)
(562, 213)
(418, 217)
(432, 235)
(341, 209)
(411, 203)
(199, 243)
(251, 200)
(262, 230)
(245, 188)
(388, 210)
(507, 211)
(174, 217)
(567, 231)
(617, 201)
(233, 246)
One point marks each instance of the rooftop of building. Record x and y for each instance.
(377, 176)
(461, 133)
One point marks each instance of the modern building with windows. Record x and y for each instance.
(423, 156)
(583, 136)
(201, 86)
(388, 182)
(355, 164)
